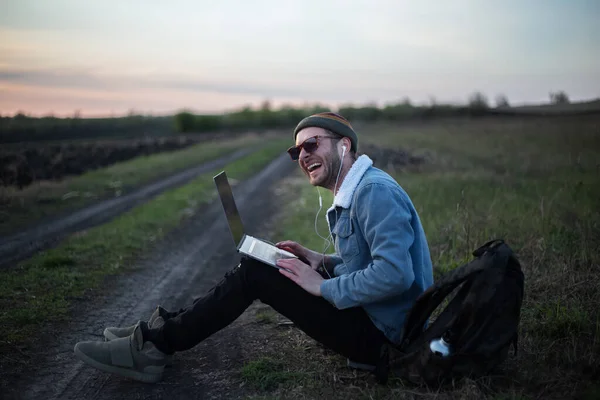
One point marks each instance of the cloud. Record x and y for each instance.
(326, 84)
(53, 78)
(82, 79)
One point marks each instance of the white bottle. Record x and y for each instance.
(440, 347)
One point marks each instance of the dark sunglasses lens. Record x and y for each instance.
(310, 144)
(294, 152)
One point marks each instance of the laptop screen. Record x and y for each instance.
(231, 211)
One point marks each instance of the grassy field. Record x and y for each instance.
(535, 183)
(52, 279)
(20, 208)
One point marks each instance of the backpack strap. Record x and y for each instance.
(491, 245)
(494, 252)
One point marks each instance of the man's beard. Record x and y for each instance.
(334, 169)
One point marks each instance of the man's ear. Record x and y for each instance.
(346, 142)
(344, 148)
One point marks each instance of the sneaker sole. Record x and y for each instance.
(146, 377)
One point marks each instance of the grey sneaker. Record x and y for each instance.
(129, 357)
(112, 332)
(156, 321)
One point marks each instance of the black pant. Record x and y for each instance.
(349, 332)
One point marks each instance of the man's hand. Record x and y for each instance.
(312, 258)
(301, 273)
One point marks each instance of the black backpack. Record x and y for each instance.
(479, 323)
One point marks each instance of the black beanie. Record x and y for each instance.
(332, 122)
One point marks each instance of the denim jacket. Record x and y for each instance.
(382, 260)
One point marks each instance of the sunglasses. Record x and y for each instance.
(309, 145)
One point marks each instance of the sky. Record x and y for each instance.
(153, 56)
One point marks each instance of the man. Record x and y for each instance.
(381, 264)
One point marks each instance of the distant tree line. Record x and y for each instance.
(559, 97)
(265, 117)
(21, 127)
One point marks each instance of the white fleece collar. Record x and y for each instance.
(344, 195)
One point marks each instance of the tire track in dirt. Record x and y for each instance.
(187, 264)
(17, 247)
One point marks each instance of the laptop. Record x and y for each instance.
(253, 247)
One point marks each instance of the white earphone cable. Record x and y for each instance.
(329, 238)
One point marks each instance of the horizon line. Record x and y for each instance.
(80, 113)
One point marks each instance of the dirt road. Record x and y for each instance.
(23, 244)
(187, 264)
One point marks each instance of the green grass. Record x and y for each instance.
(299, 225)
(267, 374)
(42, 289)
(533, 182)
(266, 316)
(20, 208)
